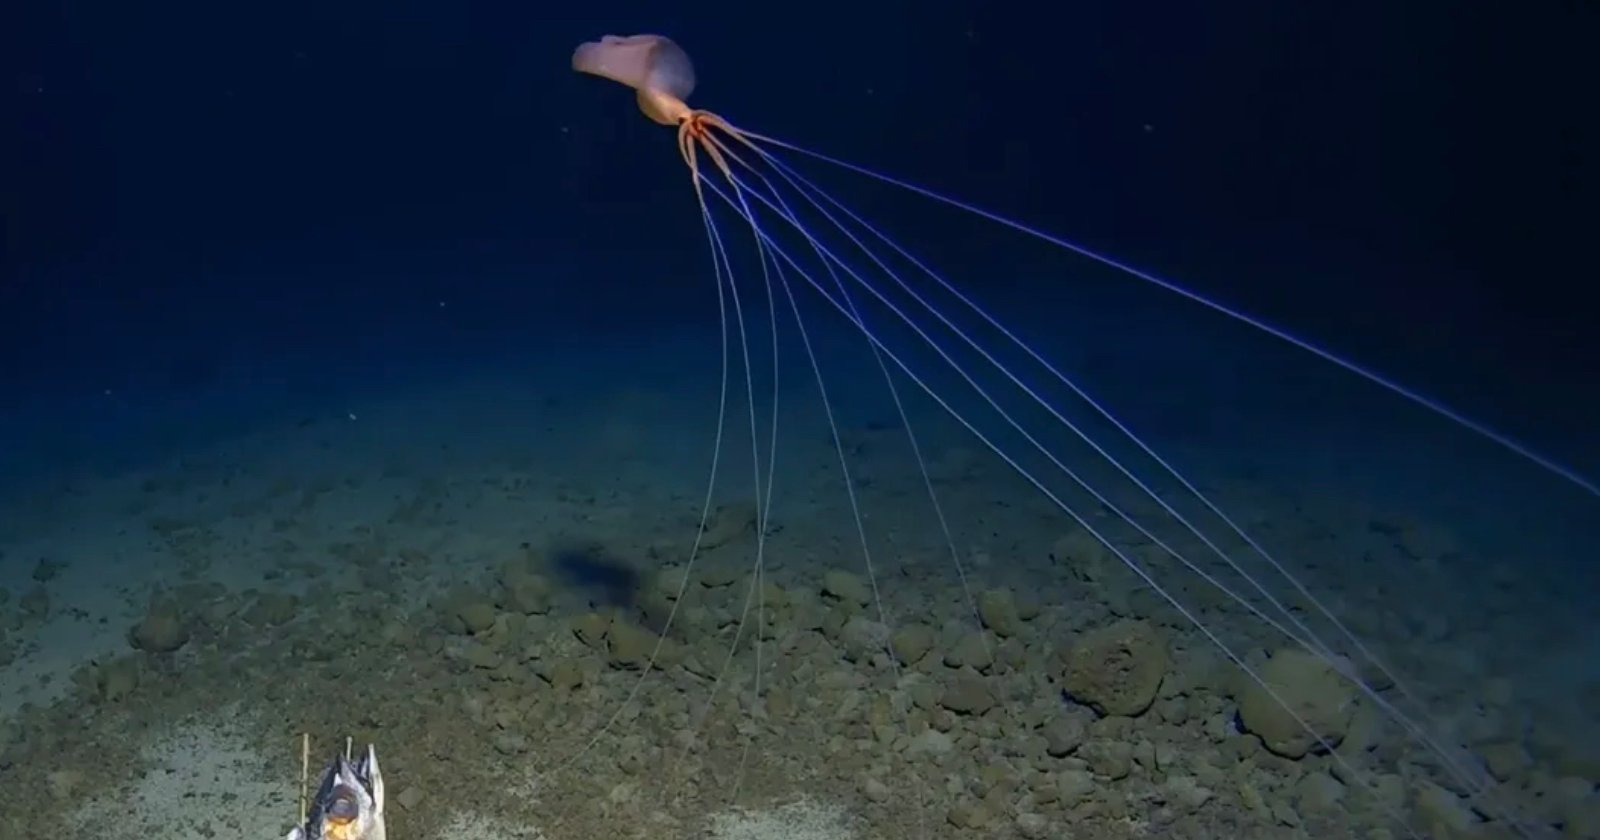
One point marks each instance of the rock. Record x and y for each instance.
(1074, 786)
(701, 662)
(1186, 793)
(1568, 743)
(1571, 789)
(630, 646)
(398, 634)
(998, 610)
(484, 657)
(727, 523)
(35, 605)
(1318, 793)
(409, 798)
(272, 609)
(1112, 759)
(525, 593)
(973, 651)
(1422, 540)
(656, 611)
(631, 755)
(1063, 736)
(116, 679)
(967, 695)
(161, 631)
(1581, 817)
(1032, 826)
(1028, 606)
(874, 790)
(1083, 554)
(780, 703)
(1173, 710)
(931, 743)
(1441, 813)
(591, 628)
(911, 643)
(564, 675)
(47, 568)
(1320, 697)
(1117, 669)
(63, 784)
(476, 617)
(672, 581)
(1505, 759)
(509, 743)
(862, 637)
(719, 575)
(846, 587)
(969, 816)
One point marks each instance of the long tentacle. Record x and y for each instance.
(1310, 639)
(1466, 773)
(719, 152)
(1570, 474)
(894, 392)
(756, 591)
(722, 271)
(1078, 517)
(745, 211)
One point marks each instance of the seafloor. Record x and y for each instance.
(469, 573)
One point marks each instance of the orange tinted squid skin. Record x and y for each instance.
(663, 76)
(652, 62)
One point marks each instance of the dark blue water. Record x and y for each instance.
(301, 275)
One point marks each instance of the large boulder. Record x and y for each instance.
(161, 631)
(1117, 669)
(1308, 708)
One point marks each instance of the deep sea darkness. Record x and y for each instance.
(187, 183)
